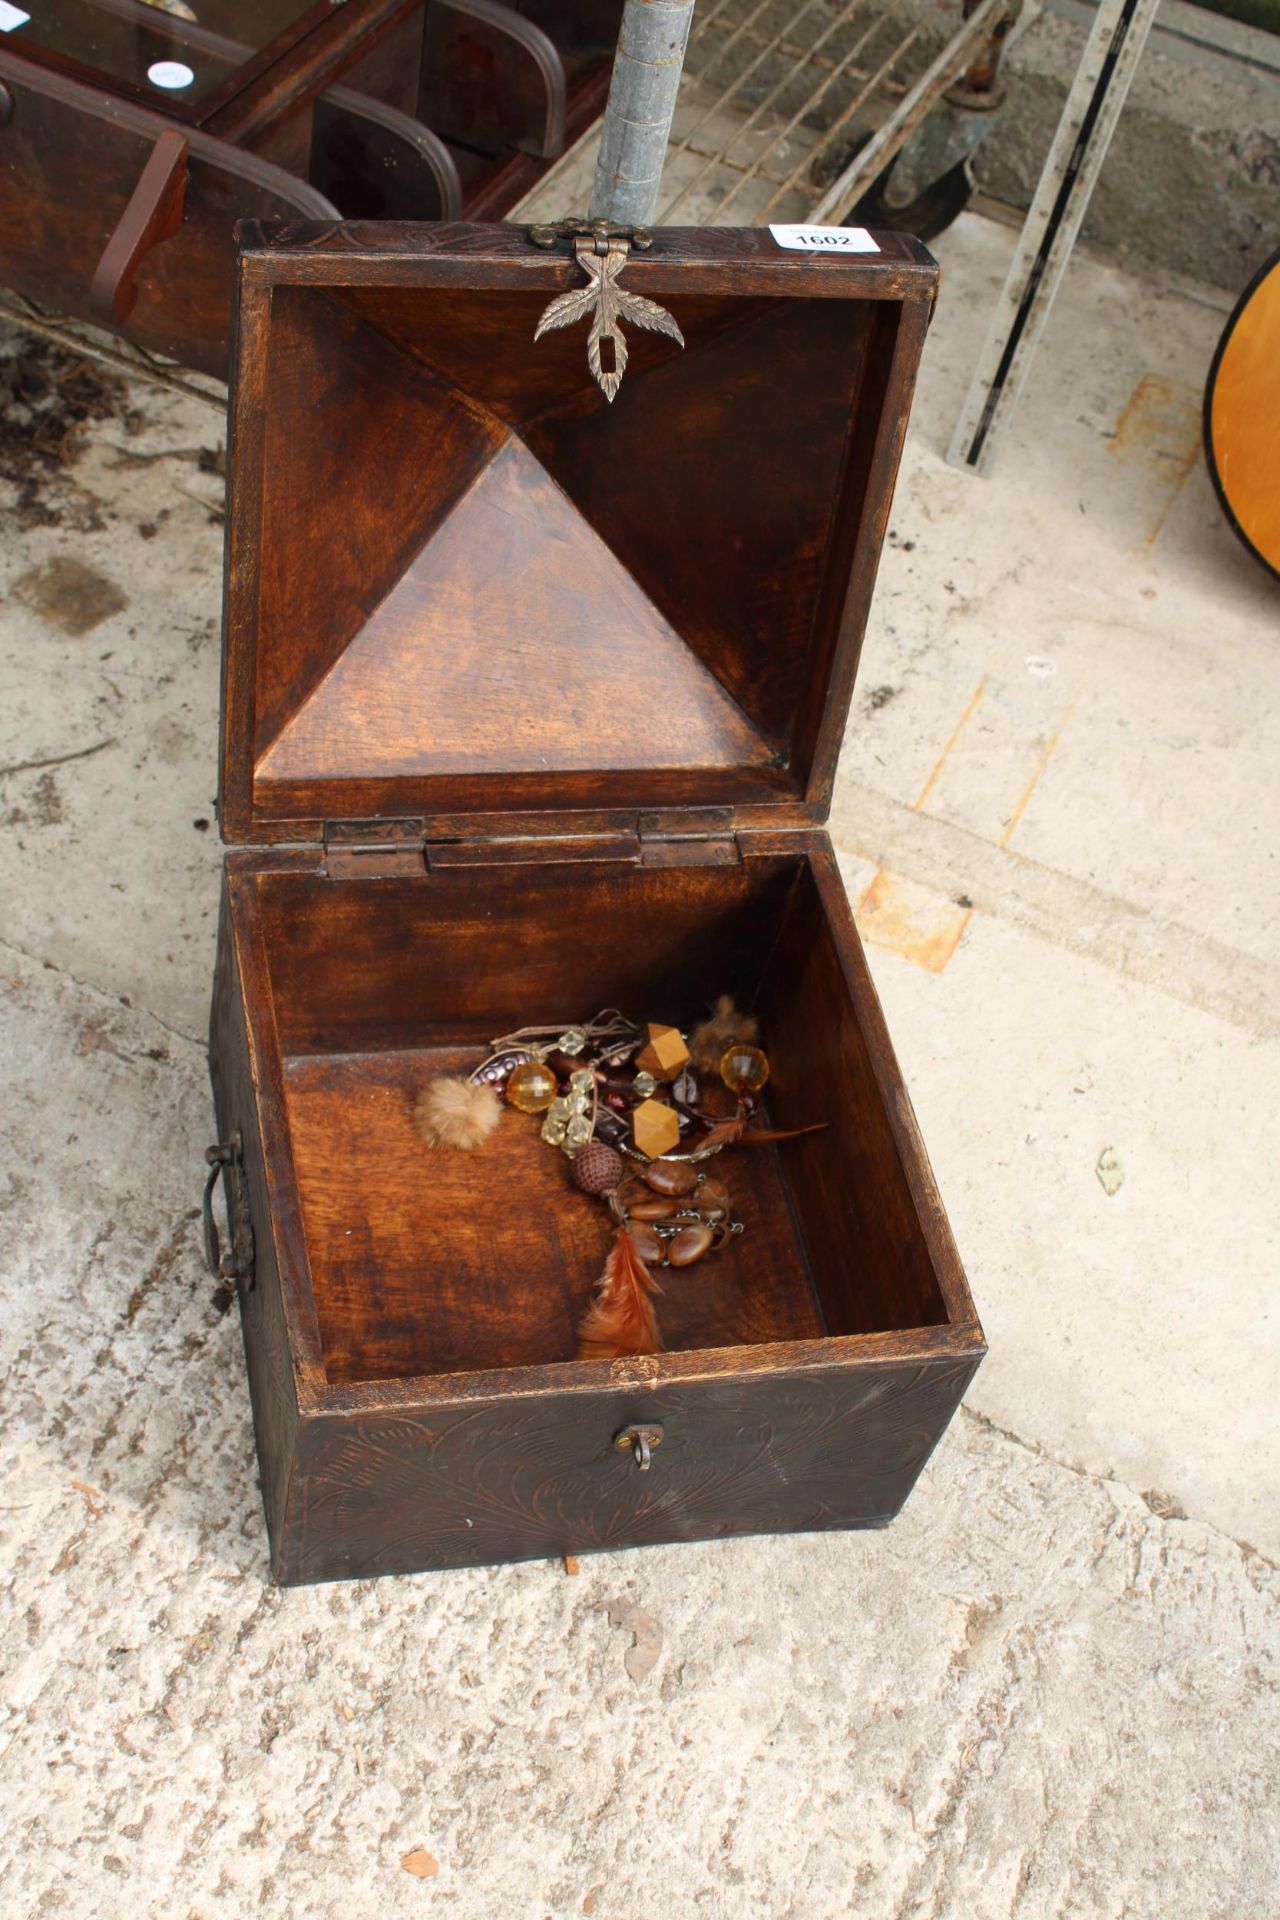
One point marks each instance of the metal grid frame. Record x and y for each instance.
(732, 50)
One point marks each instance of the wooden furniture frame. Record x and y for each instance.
(118, 201)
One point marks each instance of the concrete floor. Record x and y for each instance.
(1051, 1688)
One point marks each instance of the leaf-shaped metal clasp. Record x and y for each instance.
(602, 251)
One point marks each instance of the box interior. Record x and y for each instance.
(427, 1262)
(481, 587)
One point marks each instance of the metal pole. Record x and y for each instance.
(642, 100)
(1053, 219)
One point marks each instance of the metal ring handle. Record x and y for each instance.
(225, 1161)
(218, 1158)
(640, 1442)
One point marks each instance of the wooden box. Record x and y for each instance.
(532, 705)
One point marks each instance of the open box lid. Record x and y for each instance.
(464, 587)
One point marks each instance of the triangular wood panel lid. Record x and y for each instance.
(460, 583)
(514, 665)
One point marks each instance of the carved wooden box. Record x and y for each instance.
(532, 705)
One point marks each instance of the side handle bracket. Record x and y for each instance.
(154, 213)
(234, 1267)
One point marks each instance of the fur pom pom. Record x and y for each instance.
(456, 1113)
(621, 1319)
(712, 1039)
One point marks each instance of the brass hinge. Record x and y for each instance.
(703, 837)
(387, 849)
(374, 849)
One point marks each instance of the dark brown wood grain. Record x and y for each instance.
(514, 641)
(533, 742)
(658, 603)
(849, 1185)
(311, 54)
(464, 952)
(584, 31)
(275, 1341)
(271, 134)
(455, 1263)
(368, 412)
(395, 253)
(154, 213)
(111, 44)
(417, 1279)
(491, 79)
(70, 161)
(696, 486)
(390, 69)
(492, 186)
(538, 1476)
(374, 161)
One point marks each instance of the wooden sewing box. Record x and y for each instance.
(532, 705)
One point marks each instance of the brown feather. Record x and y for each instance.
(727, 1134)
(737, 1133)
(711, 1040)
(621, 1319)
(761, 1136)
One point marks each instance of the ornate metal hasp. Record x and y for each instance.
(602, 249)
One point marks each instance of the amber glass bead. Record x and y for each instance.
(744, 1069)
(532, 1087)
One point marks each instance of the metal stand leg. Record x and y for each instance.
(1075, 159)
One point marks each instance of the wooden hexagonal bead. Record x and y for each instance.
(665, 1054)
(655, 1128)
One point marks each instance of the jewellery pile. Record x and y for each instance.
(635, 1111)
